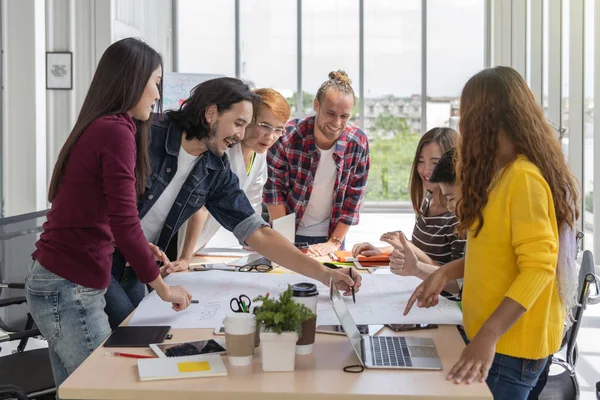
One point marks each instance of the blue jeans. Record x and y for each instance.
(70, 316)
(124, 293)
(512, 378)
(315, 240)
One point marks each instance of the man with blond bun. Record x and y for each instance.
(249, 163)
(319, 169)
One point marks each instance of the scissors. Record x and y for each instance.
(240, 304)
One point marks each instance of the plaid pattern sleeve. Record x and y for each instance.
(277, 186)
(349, 212)
(293, 162)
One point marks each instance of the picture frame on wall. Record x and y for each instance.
(59, 70)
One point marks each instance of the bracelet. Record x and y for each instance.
(335, 240)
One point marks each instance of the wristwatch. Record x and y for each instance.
(336, 240)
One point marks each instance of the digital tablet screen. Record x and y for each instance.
(191, 348)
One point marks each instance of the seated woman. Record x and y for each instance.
(434, 242)
(249, 163)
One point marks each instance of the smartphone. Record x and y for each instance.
(410, 327)
(219, 331)
(164, 350)
(339, 330)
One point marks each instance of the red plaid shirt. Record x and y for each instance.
(293, 162)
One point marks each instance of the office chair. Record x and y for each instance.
(565, 385)
(25, 374)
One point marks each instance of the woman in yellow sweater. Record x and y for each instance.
(517, 194)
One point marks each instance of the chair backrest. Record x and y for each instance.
(587, 278)
(18, 235)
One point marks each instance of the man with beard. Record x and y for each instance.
(189, 169)
(318, 169)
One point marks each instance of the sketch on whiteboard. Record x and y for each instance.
(177, 87)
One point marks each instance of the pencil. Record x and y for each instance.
(353, 297)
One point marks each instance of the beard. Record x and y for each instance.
(213, 143)
(328, 133)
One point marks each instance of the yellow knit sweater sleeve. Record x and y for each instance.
(534, 235)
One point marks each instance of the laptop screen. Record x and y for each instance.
(341, 310)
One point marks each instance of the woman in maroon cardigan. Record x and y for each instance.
(99, 174)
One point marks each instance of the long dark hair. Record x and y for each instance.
(446, 138)
(222, 92)
(118, 84)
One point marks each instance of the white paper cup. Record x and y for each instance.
(240, 333)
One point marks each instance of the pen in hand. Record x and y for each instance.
(353, 296)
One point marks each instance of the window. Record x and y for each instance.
(329, 43)
(392, 72)
(455, 52)
(545, 55)
(207, 37)
(588, 121)
(268, 44)
(565, 76)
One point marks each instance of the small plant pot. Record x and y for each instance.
(278, 351)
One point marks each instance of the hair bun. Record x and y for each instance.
(341, 76)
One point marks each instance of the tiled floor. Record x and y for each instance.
(371, 227)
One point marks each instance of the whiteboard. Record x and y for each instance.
(177, 87)
(381, 300)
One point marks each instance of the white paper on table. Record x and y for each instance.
(381, 300)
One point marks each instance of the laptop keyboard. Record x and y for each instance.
(390, 351)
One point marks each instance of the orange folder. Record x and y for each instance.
(373, 261)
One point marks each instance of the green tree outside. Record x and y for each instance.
(392, 146)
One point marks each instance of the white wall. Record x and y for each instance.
(24, 106)
(37, 121)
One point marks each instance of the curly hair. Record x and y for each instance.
(499, 98)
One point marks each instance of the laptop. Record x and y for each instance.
(286, 226)
(389, 352)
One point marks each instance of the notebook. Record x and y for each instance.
(198, 366)
(362, 262)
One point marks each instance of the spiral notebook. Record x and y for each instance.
(198, 366)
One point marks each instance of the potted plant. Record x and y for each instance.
(281, 324)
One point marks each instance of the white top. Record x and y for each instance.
(153, 222)
(251, 184)
(316, 218)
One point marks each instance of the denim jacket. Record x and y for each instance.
(211, 183)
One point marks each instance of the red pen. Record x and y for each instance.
(116, 353)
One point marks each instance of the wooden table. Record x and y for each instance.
(318, 376)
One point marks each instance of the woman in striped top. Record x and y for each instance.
(433, 241)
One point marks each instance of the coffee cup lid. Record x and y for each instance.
(305, 289)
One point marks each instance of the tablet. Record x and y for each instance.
(164, 350)
(137, 336)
